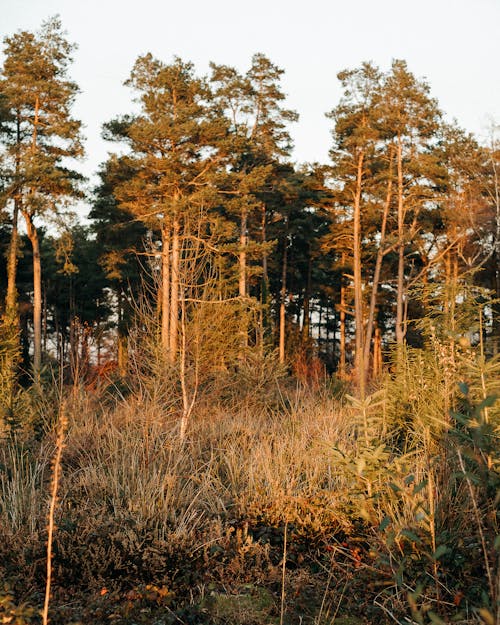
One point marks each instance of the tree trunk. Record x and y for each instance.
(242, 283)
(243, 254)
(358, 286)
(174, 293)
(165, 289)
(10, 300)
(342, 362)
(400, 330)
(377, 353)
(376, 274)
(37, 294)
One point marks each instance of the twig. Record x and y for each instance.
(56, 474)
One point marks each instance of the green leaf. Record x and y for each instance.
(409, 479)
(496, 544)
(486, 403)
(420, 486)
(384, 523)
(411, 536)
(464, 388)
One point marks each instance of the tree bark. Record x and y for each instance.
(165, 289)
(174, 292)
(243, 254)
(11, 298)
(358, 286)
(242, 283)
(10, 301)
(37, 294)
(400, 330)
(342, 346)
(376, 274)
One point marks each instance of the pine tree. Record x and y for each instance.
(174, 145)
(38, 139)
(355, 140)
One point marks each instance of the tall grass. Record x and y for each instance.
(395, 474)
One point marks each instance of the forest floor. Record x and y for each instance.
(283, 505)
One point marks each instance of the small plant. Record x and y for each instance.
(13, 613)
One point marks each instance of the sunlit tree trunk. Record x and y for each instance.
(165, 289)
(400, 330)
(342, 316)
(376, 274)
(358, 288)
(174, 292)
(10, 303)
(37, 294)
(10, 300)
(243, 254)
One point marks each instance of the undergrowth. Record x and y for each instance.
(389, 504)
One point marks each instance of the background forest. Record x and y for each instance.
(252, 391)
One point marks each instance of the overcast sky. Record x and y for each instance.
(454, 44)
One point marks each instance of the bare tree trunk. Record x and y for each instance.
(342, 362)
(165, 289)
(174, 293)
(358, 286)
(378, 267)
(243, 254)
(377, 352)
(400, 330)
(242, 283)
(265, 282)
(10, 300)
(37, 294)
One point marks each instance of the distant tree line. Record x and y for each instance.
(201, 215)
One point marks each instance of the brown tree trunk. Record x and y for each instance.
(174, 292)
(243, 254)
(377, 352)
(342, 345)
(165, 289)
(378, 267)
(37, 294)
(10, 300)
(400, 330)
(358, 286)
(242, 283)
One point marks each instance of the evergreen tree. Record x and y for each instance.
(38, 138)
(174, 146)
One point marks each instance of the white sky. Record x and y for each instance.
(455, 44)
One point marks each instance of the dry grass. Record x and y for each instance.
(367, 491)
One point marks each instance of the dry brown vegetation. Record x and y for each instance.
(389, 505)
